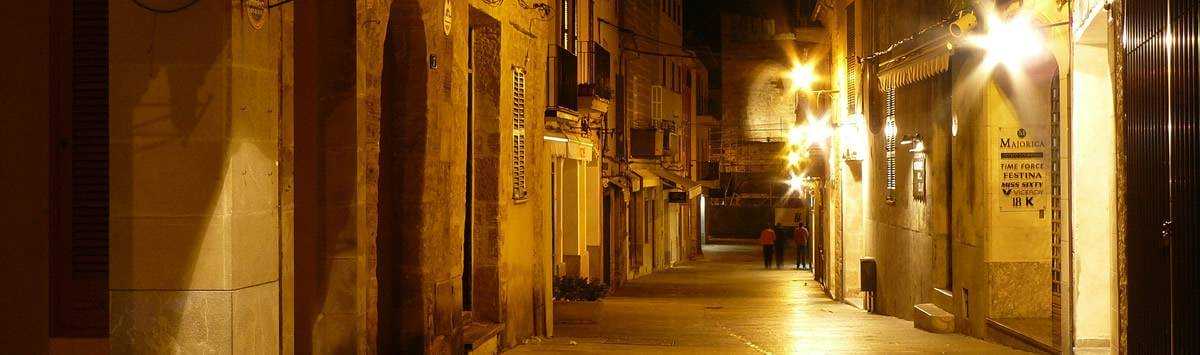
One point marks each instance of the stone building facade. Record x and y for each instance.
(323, 177)
(935, 146)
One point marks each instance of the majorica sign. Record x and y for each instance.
(1022, 171)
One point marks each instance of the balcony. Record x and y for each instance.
(595, 87)
(564, 85)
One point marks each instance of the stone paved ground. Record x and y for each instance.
(727, 304)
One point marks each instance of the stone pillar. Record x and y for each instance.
(195, 129)
(574, 219)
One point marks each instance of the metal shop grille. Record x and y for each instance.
(1161, 116)
(1056, 235)
(520, 189)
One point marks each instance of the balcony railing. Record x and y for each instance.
(597, 69)
(564, 81)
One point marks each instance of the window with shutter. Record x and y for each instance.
(520, 190)
(656, 103)
(79, 242)
(851, 63)
(889, 144)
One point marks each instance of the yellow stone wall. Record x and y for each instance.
(194, 243)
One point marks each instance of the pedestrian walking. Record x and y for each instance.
(767, 239)
(781, 242)
(801, 238)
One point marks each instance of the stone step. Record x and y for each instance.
(930, 318)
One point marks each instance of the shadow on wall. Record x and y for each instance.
(171, 118)
(402, 305)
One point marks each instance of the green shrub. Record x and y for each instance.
(572, 288)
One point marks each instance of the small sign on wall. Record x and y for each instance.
(256, 12)
(447, 17)
(918, 176)
(1023, 170)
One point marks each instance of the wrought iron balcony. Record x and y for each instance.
(564, 83)
(597, 71)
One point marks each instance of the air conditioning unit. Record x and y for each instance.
(670, 143)
(646, 142)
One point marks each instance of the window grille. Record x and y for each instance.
(889, 144)
(520, 190)
(851, 63)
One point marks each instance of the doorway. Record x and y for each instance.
(481, 235)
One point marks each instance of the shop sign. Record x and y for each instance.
(1024, 171)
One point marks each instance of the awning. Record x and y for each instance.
(569, 146)
(649, 170)
(909, 70)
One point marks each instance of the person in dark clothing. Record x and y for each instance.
(767, 239)
(801, 238)
(781, 242)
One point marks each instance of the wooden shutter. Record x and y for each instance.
(79, 244)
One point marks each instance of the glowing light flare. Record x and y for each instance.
(796, 136)
(1010, 43)
(793, 158)
(851, 135)
(796, 183)
(819, 130)
(815, 132)
(803, 76)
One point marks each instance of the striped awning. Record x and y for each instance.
(909, 70)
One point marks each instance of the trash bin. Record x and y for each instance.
(868, 282)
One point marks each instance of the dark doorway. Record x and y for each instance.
(482, 239)
(1162, 111)
(80, 205)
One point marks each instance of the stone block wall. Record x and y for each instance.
(194, 180)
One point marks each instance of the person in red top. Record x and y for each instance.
(767, 239)
(801, 238)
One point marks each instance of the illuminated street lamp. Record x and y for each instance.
(1011, 42)
(796, 183)
(793, 158)
(852, 137)
(803, 76)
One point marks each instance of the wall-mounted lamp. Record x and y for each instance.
(851, 131)
(802, 77)
(918, 144)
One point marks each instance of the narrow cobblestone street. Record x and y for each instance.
(727, 304)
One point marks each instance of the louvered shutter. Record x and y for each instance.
(80, 243)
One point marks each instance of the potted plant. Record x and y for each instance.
(577, 300)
